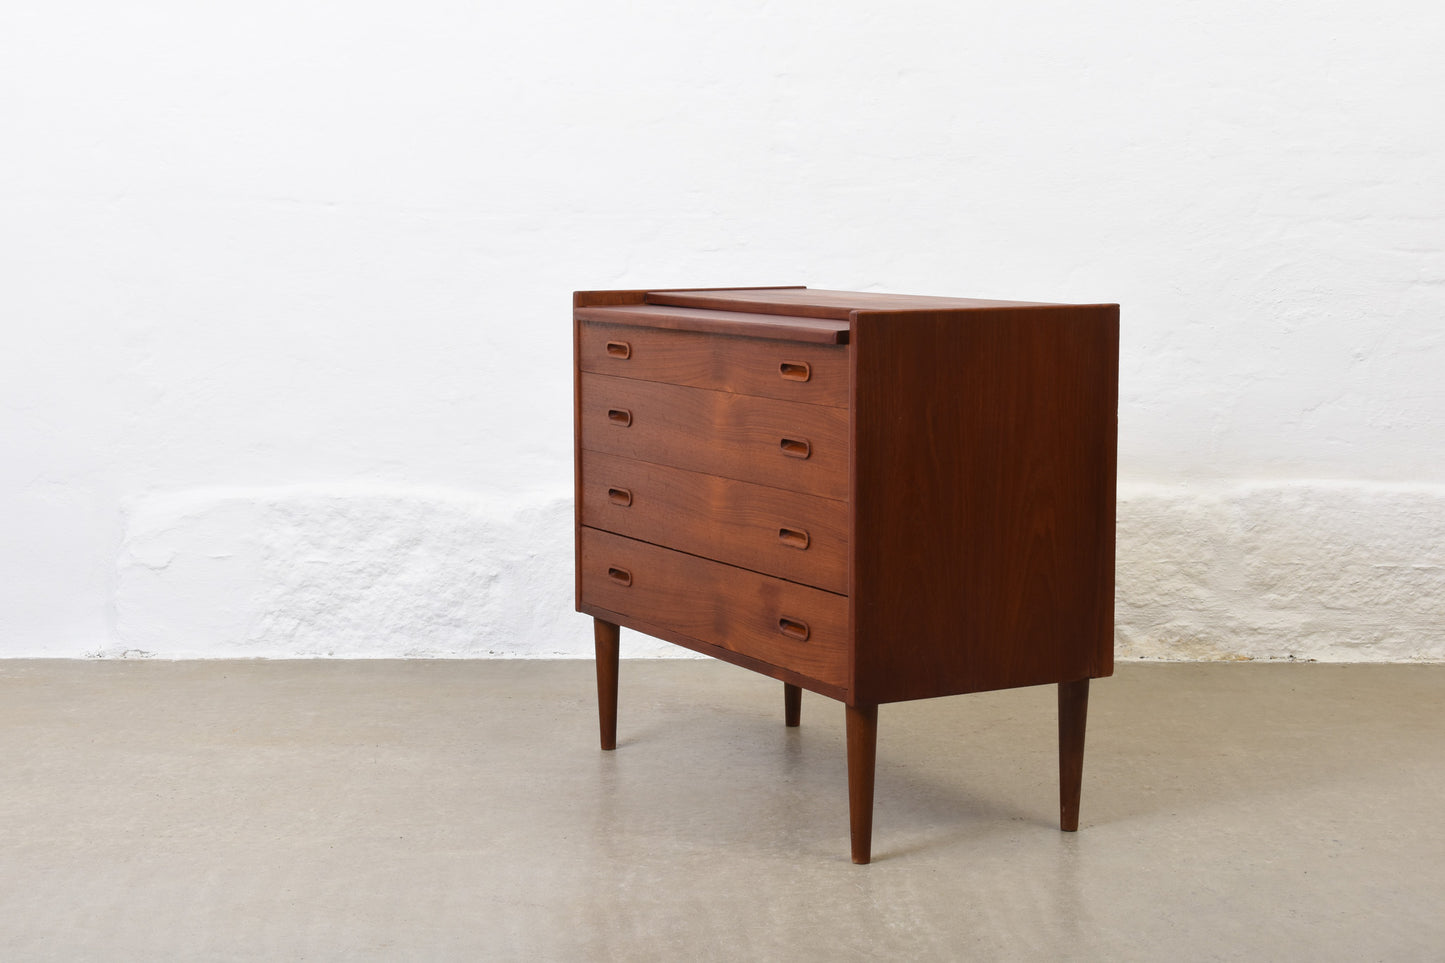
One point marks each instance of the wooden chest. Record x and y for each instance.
(874, 497)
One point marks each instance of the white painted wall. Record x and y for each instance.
(285, 290)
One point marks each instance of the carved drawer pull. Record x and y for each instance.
(621, 497)
(620, 575)
(793, 537)
(796, 447)
(795, 370)
(795, 629)
(620, 417)
(620, 350)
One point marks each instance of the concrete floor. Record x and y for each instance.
(437, 810)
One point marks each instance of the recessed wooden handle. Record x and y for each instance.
(793, 537)
(793, 628)
(620, 350)
(620, 496)
(620, 417)
(620, 575)
(795, 370)
(796, 447)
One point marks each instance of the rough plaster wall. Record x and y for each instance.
(361, 571)
(1352, 573)
(285, 290)
(345, 570)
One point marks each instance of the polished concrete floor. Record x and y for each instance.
(433, 810)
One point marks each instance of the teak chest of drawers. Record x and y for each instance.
(874, 497)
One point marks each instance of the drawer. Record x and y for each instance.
(799, 537)
(784, 444)
(781, 623)
(786, 370)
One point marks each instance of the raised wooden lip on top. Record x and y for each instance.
(792, 313)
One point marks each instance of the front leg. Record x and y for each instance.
(862, 727)
(605, 635)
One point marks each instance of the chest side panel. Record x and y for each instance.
(984, 504)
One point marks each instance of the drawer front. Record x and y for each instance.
(783, 444)
(787, 625)
(789, 371)
(803, 538)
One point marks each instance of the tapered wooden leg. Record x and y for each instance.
(792, 704)
(862, 754)
(605, 635)
(1073, 712)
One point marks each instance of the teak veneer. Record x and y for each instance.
(873, 497)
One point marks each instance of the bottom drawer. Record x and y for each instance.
(782, 623)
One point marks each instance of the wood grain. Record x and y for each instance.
(717, 433)
(729, 607)
(984, 447)
(748, 366)
(731, 521)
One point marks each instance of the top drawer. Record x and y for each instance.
(787, 370)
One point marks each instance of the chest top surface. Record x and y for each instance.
(787, 313)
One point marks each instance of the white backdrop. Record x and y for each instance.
(286, 290)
